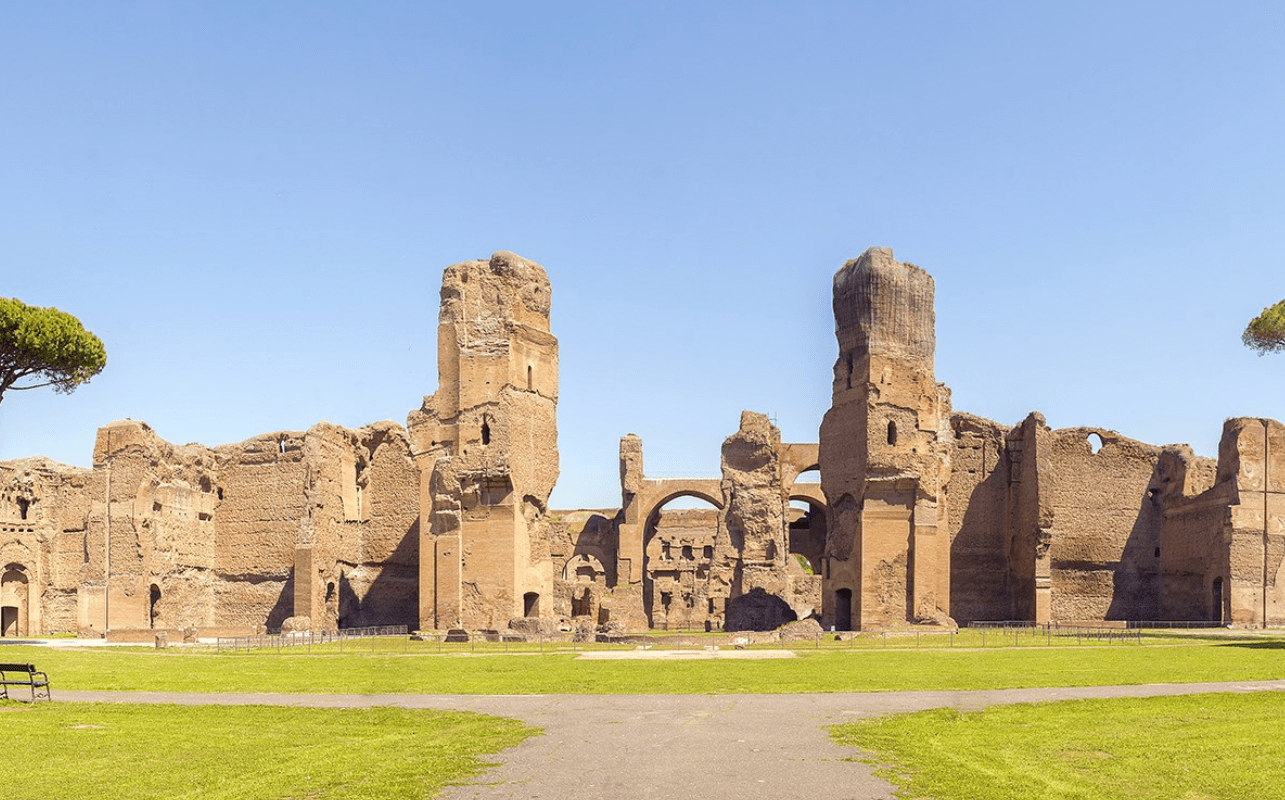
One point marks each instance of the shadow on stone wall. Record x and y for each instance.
(392, 598)
(1136, 578)
(757, 611)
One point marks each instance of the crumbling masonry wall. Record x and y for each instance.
(885, 451)
(486, 447)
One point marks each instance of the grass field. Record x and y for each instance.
(867, 669)
(1207, 746)
(1197, 747)
(138, 752)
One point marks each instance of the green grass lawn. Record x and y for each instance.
(137, 752)
(1197, 747)
(866, 669)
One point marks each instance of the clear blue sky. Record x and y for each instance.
(252, 204)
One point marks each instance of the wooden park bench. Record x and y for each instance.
(24, 675)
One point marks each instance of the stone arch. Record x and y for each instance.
(676, 574)
(807, 529)
(583, 568)
(15, 592)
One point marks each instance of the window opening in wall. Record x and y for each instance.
(687, 552)
(1095, 442)
(486, 431)
(708, 551)
(892, 433)
(154, 599)
(531, 604)
(711, 605)
(1157, 552)
(204, 517)
(664, 550)
(849, 370)
(281, 446)
(530, 380)
(769, 552)
(220, 492)
(23, 505)
(330, 591)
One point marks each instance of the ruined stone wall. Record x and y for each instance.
(486, 447)
(980, 575)
(1030, 515)
(44, 554)
(1105, 539)
(756, 507)
(1193, 553)
(359, 544)
(1251, 462)
(208, 539)
(583, 550)
(885, 451)
(263, 482)
(680, 563)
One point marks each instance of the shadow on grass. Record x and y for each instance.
(1275, 645)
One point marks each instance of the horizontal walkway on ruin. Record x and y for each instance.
(663, 746)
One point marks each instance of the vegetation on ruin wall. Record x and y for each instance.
(1200, 746)
(74, 750)
(860, 670)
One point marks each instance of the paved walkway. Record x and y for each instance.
(665, 746)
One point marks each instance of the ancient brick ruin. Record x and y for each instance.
(922, 515)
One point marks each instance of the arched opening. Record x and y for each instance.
(584, 568)
(1216, 606)
(1095, 442)
(843, 610)
(486, 431)
(281, 446)
(678, 550)
(23, 505)
(807, 531)
(153, 605)
(13, 601)
(892, 433)
(531, 604)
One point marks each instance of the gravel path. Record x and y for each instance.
(664, 746)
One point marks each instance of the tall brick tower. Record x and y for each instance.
(884, 452)
(486, 444)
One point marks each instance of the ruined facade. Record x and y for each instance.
(921, 515)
